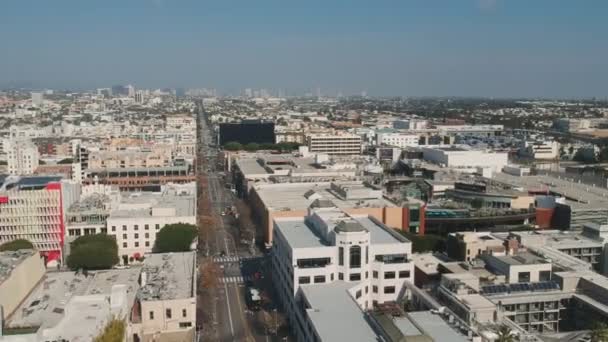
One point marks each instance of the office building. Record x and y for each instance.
(247, 131)
(456, 156)
(397, 139)
(22, 157)
(334, 144)
(37, 99)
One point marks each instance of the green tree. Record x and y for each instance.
(581, 156)
(114, 331)
(233, 146)
(175, 237)
(599, 332)
(16, 245)
(93, 252)
(252, 147)
(66, 161)
(504, 334)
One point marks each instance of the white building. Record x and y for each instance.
(355, 258)
(334, 144)
(165, 306)
(397, 139)
(22, 157)
(462, 157)
(471, 130)
(137, 219)
(540, 149)
(37, 99)
(411, 124)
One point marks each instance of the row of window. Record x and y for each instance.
(136, 236)
(168, 314)
(353, 277)
(126, 245)
(136, 227)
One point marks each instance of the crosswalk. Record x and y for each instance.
(227, 259)
(235, 279)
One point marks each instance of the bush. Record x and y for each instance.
(16, 245)
(252, 147)
(66, 161)
(175, 238)
(233, 146)
(93, 252)
(113, 332)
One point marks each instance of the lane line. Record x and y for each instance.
(229, 311)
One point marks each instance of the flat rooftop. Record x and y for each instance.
(142, 204)
(577, 195)
(45, 306)
(169, 276)
(335, 314)
(298, 233)
(522, 258)
(436, 327)
(293, 196)
(9, 260)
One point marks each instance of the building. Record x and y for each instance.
(33, 208)
(37, 99)
(74, 306)
(165, 306)
(397, 139)
(456, 156)
(330, 262)
(271, 201)
(466, 246)
(20, 272)
(247, 131)
(334, 144)
(471, 130)
(548, 150)
(410, 124)
(22, 157)
(138, 217)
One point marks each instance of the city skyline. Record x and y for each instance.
(486, 48)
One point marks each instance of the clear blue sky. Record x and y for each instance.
(501, 48)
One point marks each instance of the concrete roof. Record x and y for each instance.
(522, 258)
(291, 196)
(168, 276)
(378, 235)
(335, 314)
(184, 205)
(46, 304)
(298, 234)
(436, 327)
(9, 260)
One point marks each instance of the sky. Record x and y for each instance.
(489, 48)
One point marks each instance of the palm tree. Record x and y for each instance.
(504, 334)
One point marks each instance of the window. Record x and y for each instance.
(355, 276)
(319, 279)
(544, 276)
(341, 256)
(136, 227)
(151, 314)
(404, 274)
(157, 226)
(104, 230)
(313, 262)
(389, 289)
(355, 256)
(331, 277)
(146, 226)
(375, 274)
(524, 277)
(366, 255)
(358, 294)
(185, 324)
(184, 313)
(366, 274)
(147, 235)
(375, 289)
(136, 243)
(389, 275)
(340, 276)
(168, 313)
(124, 236)
(124, 245)
(147, 243)
(124, 228)
(113, 228)
(304, 280)
(366, 290)
(136, 236)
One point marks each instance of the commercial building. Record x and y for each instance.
(466, 246)
(471, 130)
(397, 139)
(165, 306)
(138, 217)
(22, 157)
(20, 272)
(272, 201)
(456, 156)
(548, 150)
(33, 208)
(247, 131)
(37, 99)
(331, 262)
(334, 144)
(410, 124)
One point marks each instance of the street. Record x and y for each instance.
(230, 319)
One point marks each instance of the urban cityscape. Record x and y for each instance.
(368, 207)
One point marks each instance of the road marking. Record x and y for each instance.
(229, 312)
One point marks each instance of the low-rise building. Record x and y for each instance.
(334, 144)
(20, 272)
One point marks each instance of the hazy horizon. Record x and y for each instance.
(468, 48)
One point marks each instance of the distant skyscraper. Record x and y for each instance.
(248, 92)
(105, 92)
(180, 92)
(130, 91)
(318, 92)
(139, 96)
(119, 90)
(37, 99)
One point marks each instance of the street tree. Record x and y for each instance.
(16, 245)
(93, 252)
(175, 237)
